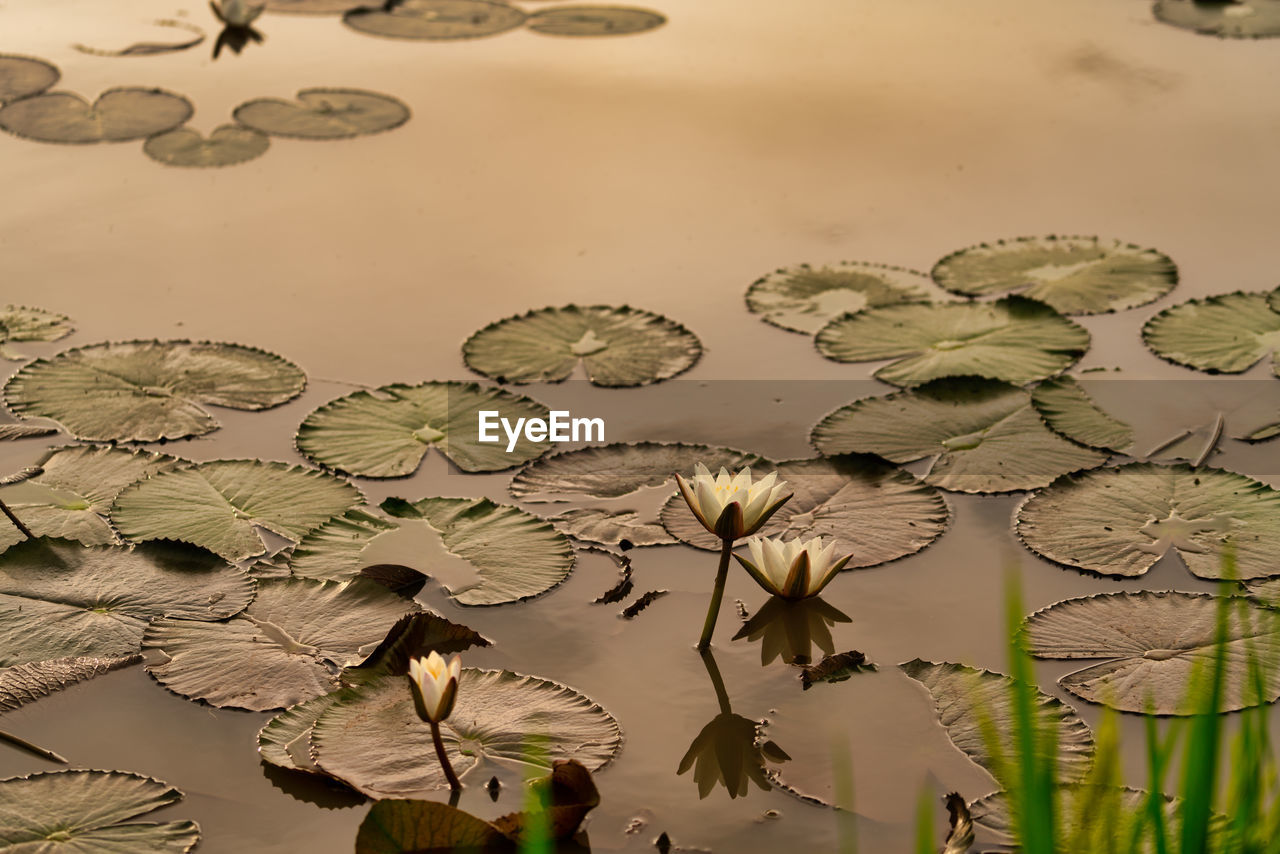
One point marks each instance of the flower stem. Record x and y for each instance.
(717, 681)
(443, 757)
(709, 627)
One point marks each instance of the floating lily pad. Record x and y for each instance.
(612, 471)
(21, 76)
(594, 21)
(1249, 19)
(10, 432)
(60, 599)
(594, 525)
(983, 435)
(90, 812)
(373, 740)
(73, 494)
(994, 811)
(1119, 521)
(143, 391)
(868, 508)
(1227, 334)
(26, 683)
(1014, 339)
(1150, 644)
(805, 299)
(332, 551)
(1273, 300)
(19, 323)
(152, 48)
(386, 432)
(284, 649)
(219, 505)
(323, 114)
(972, 704)
(427, 827)
(435, 20)
(1067, 408)
(226, 146)
(1075, 275)
(118, 115)
(618, 345)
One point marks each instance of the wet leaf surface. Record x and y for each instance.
(1228, 333)
(20, 323)
(593, 525)
(435, 20)
(804, 298)
(226, 146)
(332, 551)
(118, 115)
(594, 21)
(1250, 19)
(1067, 408)
(21, 76)
(26, 683)
(323, 114)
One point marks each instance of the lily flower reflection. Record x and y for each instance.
(729, 750)
(236, 17)
(790, 629)
(796, 569)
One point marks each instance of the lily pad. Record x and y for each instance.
(143, 391)
(10, 432)
(73, 494)
(1248, 19)
(594, 21)
(19, 323)
(983, 435)
(435, 20)
(594, 525)
(1149, 645)
(804, 298)
(1119, 521)
(117, 116)
(868, 508)
(974, 704)
(332, 551)
(26, 683)
(618, 345)
(21, 76)
(1226, 334)
(1075, 275)
(90, 812)
(427, 827)
(373, 740)
(1273, 300)
(323, 114)
(226, 146)
(1067, 408)
(1015, 339)
(386, 432)
(612, 471)
(284, 649)
(60, 599)
(994, 812)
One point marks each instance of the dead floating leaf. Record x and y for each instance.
(151, 48)
(643, 602)
(960, 839)
(836, 668)
(623, 588)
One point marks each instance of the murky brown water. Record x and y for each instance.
(667, 170)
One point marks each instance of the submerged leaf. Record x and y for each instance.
(117, 116)
(618, 346)
(90, 812)
(387, 432)
(226, 146)
(21, 76)
(1075, 275)
(594, 21)
(1067, 408)
(1247, 19)
(1228, 333)
(142, 391)
(323, 114)
(1151, 645)
(26, 683)
(983, 435)
(220, 504)
(435, 20)
(805, 299)
(1014, 339)
(1120, 521)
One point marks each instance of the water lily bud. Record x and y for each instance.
(434, 685)
(793, 570)
(732, 506)
(236, 13)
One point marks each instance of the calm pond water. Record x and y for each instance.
(667, 170)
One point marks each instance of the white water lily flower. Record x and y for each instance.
(732, 506)
(236, 13)
(435, 685)
(793, 570)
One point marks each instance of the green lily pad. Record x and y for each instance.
(387, 432)
(618, 345)
(1273, 300)
(435, 20)
(1226, 334)
(19, 323)
(1119, 521)
(1075, 275)
(323, 114)
(983, 435)
(26, 683)
(219, 505)
(61, 599)
(595, 525)
(117, 116)
(1148, 646)
(226, 146)
(619, 469)
(143, 391)
(373, 740)
(594, 21)
(972, 704)
(1067, 408)
(805, 299)
(21, 76)
(1249, 19)
(284, 649)
(90, 812)
(1014, 339)
(868, 508)
(73, 494)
